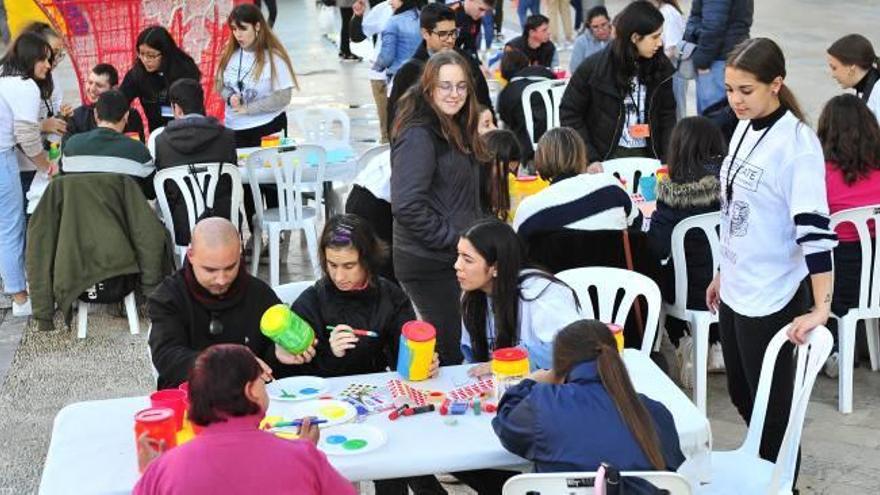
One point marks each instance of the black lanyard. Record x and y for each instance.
(731, 178)
(240, 83)
(49, 112)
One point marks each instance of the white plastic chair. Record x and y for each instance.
(742, 471)
(631, 168)
(568, 483)
(151, 141)
(190, 185)
(323, 125)
(698, 321)
(551, 93)
(290, 292)
(374, 158)
(869, 302)
(608, 283)
(288, 168)
(82, 316)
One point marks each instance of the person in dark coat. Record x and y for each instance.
(212, 300)
(437, 23)
(620, 99)
(519, 74)
(587, 395)
(469, 20)
(103, 77)
(535, 42)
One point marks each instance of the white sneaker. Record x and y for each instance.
(685, 354)
(715, 362)
(21, 310)
(832, 365)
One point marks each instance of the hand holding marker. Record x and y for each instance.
(343, 338)
(356, 331)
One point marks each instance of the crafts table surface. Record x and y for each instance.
(93, 447)
(341, 166)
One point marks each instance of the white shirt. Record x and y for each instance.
(673, 25)
(19, 101)
(874, 100)
(373, 25)
(241, 67)
(634, 103)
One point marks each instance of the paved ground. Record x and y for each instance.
(49, 370)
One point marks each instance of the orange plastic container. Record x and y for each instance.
(159, 425)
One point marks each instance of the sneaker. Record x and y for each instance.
(832, 365)
(685, 354)
(21, 310)
(349, 57)
(716, 359)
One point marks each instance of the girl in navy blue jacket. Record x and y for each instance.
(585, 411)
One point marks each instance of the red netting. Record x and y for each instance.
(105, 31)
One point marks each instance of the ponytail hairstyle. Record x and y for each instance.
(855, 49)
(641, 18)
(504, 150)
(850, 137)
(763, 58)
(589, 340)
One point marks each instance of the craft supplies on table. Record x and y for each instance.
(416, 352)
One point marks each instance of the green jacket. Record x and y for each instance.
(86, 229)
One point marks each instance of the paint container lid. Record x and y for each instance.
(510, 354)
(418, 331)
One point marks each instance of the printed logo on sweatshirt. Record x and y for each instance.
(739, 218)
(747, 175)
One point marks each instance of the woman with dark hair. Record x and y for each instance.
(25, 81)
(505, 303)
(595, 35)
(158, 64)
(774, 233)
(587, 395)
(227, 394)
(850, 138)
(495, 176)
(620, 100)
(854, 64)
(401, 37)
(435, 190)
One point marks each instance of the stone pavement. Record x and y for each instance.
(42, 372)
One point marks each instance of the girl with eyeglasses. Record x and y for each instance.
(158, 64)
(435, 190)
(25, 82)
(775, 241)
(255, 77)
(595, 36)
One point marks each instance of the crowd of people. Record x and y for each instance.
(437, 236)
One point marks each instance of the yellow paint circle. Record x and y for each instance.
(332, 412)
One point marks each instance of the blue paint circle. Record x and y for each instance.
(309, 390)
(336, 439)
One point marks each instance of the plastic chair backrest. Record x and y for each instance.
(551, 94)
(556, 483)
(870, 279)
(323, 125)
(707, 222)
(631, 169)
(290, 292)
(811, 357)
(190, 185)
(293, 173)
(379, 155)
(151, 141)
(608, 283)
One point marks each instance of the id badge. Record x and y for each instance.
(640, 131)
(167, 112)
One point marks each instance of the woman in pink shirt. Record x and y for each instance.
(850, 139)
(228, 399)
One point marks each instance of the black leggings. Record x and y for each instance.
(344, 38)
(273, 10)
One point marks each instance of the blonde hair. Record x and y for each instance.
(560, 151)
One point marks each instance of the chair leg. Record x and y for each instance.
(274, 265)
(131, 313)
(256, 248)
(700, 328)
(82, 319)
(872, 328)
(846, 333)
(286, 239)
(311, 233)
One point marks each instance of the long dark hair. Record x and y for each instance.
(589, 340)
(696, 149)
(503, 148)
(850, 137)
(499, 245)
(349, 230)
(217, 382)
(266, 44)
(640, 18)
(855, 49)
(176, 63)
(763, 58)
(417, 107)
(20, 59)
(410, 5)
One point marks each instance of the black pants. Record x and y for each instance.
(434, 291)
(420, 485)
(743, 342)
(344, 37)
(485, 481)
(847, 280)
(273, 10)
(377, 212)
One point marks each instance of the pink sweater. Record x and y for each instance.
(841, 196)
(236, 457)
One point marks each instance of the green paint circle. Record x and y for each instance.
(354, 444)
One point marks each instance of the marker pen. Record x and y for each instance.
(412, 411)
(356, 331)
(297, 422)
(397, 412)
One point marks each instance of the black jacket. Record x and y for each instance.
(180, 326)
(435, 193)
(151, 88)
(409, 73)
(195, 139)
(543, 55)
(594, 107)
(468, 40)
(382, 308)
(510, 107)
(716, 26)
(83, 120)
(676, 202)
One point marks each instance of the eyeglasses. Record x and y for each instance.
(600, 27)
(445, 35)
(149, 56)
(448, 87)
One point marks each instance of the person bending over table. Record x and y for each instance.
(211, 300)
(227, 390)
(351, 295)
(587, 395)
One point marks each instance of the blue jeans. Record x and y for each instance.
(533, 6)
(489, 28)
(679, 89)
(710, 86)
(12, 226)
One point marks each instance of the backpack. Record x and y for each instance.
(112, 290)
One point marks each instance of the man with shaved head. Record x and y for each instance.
(212, 300)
